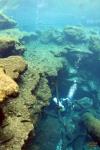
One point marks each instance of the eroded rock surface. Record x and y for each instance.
(47, 53)
(13, 66)
(10, 46)
(22, 112)
(8, 87)
(92, 124)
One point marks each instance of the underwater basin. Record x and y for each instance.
(49, 75)
(64, 130)
(59, 96)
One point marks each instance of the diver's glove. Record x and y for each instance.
(59, 104)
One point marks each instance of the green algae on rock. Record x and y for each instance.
(13, 66)
(46, 55)
(74, 34)
(24, 110)
(8, 87)
(9, 45)
(92, 125)
(94, 43)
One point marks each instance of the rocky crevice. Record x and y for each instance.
(49, 55)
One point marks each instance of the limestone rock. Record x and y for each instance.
(74, 34)
(92, 125)
(22, 112)
(13, 66)
(51, 36)
(43, 92)
(6, 22)
(9, 45)
(8, 87)
(94, 43)
(28, 37)
(6, 45)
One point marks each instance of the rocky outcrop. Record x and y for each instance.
(47, 55)
(6, 45)
(13, 66)
(92, 125)
(10, 46)
(8, 87)
(94, 43)
(10, 69)
(23, 111)
(6, 22)
(74, 35)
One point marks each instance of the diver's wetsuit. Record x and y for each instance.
(66, 101)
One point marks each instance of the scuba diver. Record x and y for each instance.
(69, 99)
(66, 105)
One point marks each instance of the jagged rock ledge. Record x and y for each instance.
(6, 22)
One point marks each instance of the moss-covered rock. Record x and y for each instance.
(92, 125)
(51, 36)
(43, 92)
(13, 66)
(29, 37)
(74, 35)
(7, 45)
(8, 87)
(10, 46)
(94, 43)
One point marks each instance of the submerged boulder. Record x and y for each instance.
(6, 22)
(51, 36)
(8, 87)
(10, 46)
(13, 66)
(92, 125)
(29, 37)
(94, 43)
(43, 92)
(6, 45)
(74, 34)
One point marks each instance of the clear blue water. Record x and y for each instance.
(56, 13)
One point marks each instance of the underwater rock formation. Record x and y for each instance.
(13, 66)
(27, 37)
(92, 125)
(52, 36)
(8, 87)
(94, 43)
(23, 111)
(19, 36)
(74, 35)
(41, 88)
(10, 46)
(6, 22)
(48, 53)
(6, 45)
